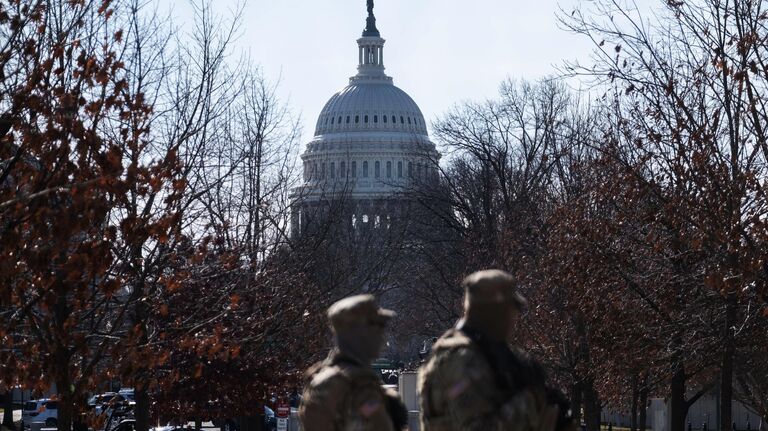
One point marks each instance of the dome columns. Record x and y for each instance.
(371, 51)
(370, 57)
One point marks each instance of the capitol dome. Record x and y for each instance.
(370, 106)
(370, 147)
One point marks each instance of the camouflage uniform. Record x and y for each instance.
(471, 383)
(343, 393)
(460, 391)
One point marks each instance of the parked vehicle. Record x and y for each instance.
(42, 410)
(100, 399)
(119, 417)
(128, 393)
(169, 428)
(110, 403)
(125, 425)
(270, 420)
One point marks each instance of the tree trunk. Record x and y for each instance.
(139, 317)
(65, 404)
(79, 422)
(591, 407)
(678, 407)
(62, 362)
(643, 405)
(8, 410)
(141, 410)
(726, 368)
(635, 396)
(576, 401)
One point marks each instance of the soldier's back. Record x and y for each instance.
(460, 391)
(343, 396)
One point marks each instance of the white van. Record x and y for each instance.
(44, 410)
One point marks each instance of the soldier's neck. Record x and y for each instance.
(488, 326)
(356, 349)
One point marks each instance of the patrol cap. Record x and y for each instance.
(356, 310)
(492, 286)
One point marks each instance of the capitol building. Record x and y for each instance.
(370, 150)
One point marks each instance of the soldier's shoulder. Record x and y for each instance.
(452, 340)
(328, 380)
(453, 354)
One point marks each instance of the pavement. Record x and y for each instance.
(206, 425)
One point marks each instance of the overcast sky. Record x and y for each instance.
(440, 52)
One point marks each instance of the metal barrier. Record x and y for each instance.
(413, 420)
(293, 421)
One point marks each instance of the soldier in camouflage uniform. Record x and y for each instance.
(343, 393)
(473, 380)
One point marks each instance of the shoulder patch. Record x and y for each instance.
(370, 407)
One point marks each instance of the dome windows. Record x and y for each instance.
(333, 120)
(373, 119)
(340, 170)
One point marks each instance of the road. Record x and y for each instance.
(206, 425)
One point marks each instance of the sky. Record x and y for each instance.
(441, 52)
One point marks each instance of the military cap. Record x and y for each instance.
(492, 286)
(358, 309)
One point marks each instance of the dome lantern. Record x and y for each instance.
(371, 52)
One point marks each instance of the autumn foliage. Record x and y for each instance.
(634, 217)
(114, 266)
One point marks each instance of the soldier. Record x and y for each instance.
(473, 381)
(343, 393)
